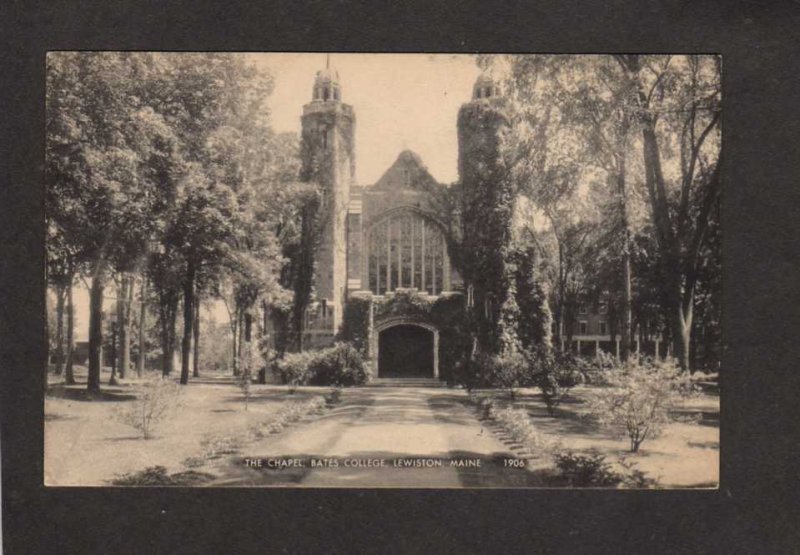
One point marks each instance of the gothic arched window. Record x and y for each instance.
(407, 250)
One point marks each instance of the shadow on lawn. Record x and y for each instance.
(701, 417)
(58, 417)
(80, 393)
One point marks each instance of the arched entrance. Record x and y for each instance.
(407, 350)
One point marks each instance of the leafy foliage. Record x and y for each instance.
(154, 402)
(158, 476)
(639, 397)
(583, 471)
(340, 365)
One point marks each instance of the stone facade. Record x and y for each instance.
(386, 246)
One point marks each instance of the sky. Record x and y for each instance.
(401, 101)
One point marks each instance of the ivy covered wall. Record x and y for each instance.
(508, 309)
(487, 206)
(447, 312)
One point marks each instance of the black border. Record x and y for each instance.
(756, 508)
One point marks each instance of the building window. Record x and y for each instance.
(603, 327)
(324, 308)
(408, 251)
(583, 327)
(603, 307)
(583, 310)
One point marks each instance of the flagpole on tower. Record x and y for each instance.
(328, 60)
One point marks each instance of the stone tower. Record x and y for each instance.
(487, 205)
(328, 161)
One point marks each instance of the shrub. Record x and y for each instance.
(508, 371)
(590, 470)
(216, 446)
(519, 427)
(485, 406)
(639, 398)
(340, 365)
(193, 462)
(157, 476)
(595, 370)
(333, 397)
(155, 400)
(555, 374)
(294, 368)
(244, 381)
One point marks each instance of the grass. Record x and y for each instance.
(85, 445)
(685, 455)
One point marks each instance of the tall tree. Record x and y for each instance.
(679, 111)
(600, 103)
(99, 139)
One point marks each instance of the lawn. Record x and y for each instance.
(685, 455)
(85, 445)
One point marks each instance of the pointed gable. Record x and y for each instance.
(407, 172)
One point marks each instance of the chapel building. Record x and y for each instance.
(380, 240)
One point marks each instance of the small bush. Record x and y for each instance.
(340, 365)
(155, 400)
(250, 364)
(508, 371)
(586, 470)
(595, 371)
(294, 369)
(216, 446)
(193, 462)
(333, 397)
(517, 423)
(157, 476)
(639, 398)
(485, 406)
(555, 374)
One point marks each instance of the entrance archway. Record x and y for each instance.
(407, 350)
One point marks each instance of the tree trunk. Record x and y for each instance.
(114, 359)
(235, 337)
(168, 305)
(681, 336)
(142, 323)
(558, 317)
(188, 323)
(124, 324)
(95, 330)
(46, 340)
(240, 345)
(172, 338)
(59, 356)
(196, 357)
(262, 373)
(626, 336)
(69, 374)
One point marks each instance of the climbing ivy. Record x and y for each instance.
(356, 321)
(509, 311)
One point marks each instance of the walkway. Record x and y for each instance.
(372, 436)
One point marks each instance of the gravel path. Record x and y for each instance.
(378, 437)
